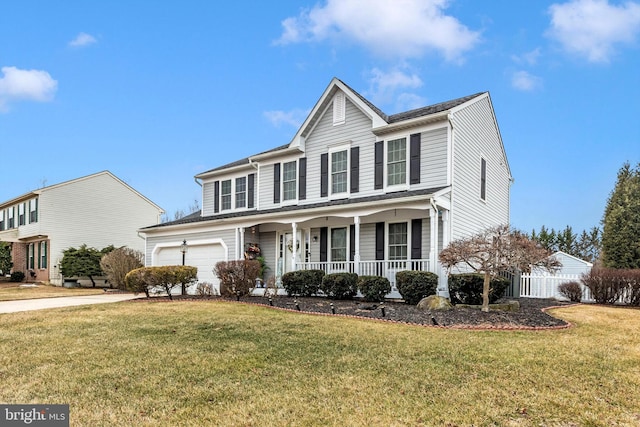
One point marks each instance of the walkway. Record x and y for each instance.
(44, 303)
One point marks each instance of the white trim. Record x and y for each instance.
(177, 243)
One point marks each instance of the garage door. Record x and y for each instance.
(204, 257)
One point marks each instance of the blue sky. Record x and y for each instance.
(158, 92)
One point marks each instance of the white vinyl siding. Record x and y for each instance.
(208, 198)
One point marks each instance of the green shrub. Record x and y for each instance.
(467, 288)
(237, 278)
(166, 278)
(340, 285)
(302, 282)
(17, 276)
(373, 288)
(571, 290)
(415, 285)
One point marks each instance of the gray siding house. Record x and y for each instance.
(97, 210)
(355, 190)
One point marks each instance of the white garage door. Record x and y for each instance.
(204, 257)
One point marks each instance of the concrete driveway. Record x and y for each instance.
(43, 303)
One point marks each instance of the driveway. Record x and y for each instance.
(43, 303)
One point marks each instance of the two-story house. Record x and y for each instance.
(97, 210)
(355, 190)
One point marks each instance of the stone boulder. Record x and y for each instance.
(434, 303)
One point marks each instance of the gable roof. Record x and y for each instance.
(380, 120)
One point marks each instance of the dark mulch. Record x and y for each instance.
(530, 316)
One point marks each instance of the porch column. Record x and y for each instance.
(356, 255)
(240, 243)
(433, 240)
(443, 284)
(294, 245)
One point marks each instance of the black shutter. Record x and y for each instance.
(414, 159)
(379, 241)
(276, 183)
(302, 178)
(323, 244)
(251, 190)
(324, 175)
(216, 196)
(416, 238)
(352, 242)
(378, 164)
(355, 169)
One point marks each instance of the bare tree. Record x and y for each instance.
(494, 250)
(117, 263)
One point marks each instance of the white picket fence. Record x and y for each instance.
(546, 286)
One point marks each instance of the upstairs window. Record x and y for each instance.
(289, 182)
(397, 162)
(225, 195)
(339, 165)
(33, 210)
(22, 219)
(241, 192)
(11, 222)
(2, 222)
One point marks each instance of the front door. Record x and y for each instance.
(287, 250)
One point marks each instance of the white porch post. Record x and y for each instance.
(433, 240)
(356, 255)
(241, 245)
(443, 284)
(294, 245)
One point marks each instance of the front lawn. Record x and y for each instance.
(13, 291)
(220, 363)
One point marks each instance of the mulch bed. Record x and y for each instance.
(531, 316)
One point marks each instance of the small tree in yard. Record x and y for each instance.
(83, 262)
(117, 263)
(494, 250)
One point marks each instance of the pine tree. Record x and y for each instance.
(621, 222)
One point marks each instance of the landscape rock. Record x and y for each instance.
(435, 303)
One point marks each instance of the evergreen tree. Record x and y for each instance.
(5, 258)
(621, 222)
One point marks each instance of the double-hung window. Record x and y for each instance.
(2, 220)
(42, 260)
(225, 195)
(33, 210)
(21, 216)
(339, 167)
(31, 249)
(241, 192)
(397, 162)
(338, 244)
(398, 241)
(289, 181)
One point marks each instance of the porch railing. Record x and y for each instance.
(385, 268)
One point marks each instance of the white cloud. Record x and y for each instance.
(32, 85)
(383, 86)
(83, 39)
(293, 118)
(529, 58)
(398, 29)
(592, 28)
(524, 81)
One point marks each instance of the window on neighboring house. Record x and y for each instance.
(339, 165)
(22, 219)
(31, 256)
(398, 241)
(2, 221)
(397, 161)
(338, 244)
(42, 260)
(225, 195)
(483, 179)
(241, 192)
(33, 210)
(289, 174)
(11, 222)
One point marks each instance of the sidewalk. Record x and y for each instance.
(44, 303)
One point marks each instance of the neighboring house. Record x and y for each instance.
(97, 210)
(355, 190)
(570, 265)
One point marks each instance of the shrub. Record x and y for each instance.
(237, 278)
(467, 288)
(205, 289)
(609, 285)
(571, 291)
(17, 276)
(373, 288)
(415, 285)
(166, 278)
(117, 263)
(302, 282)
(340, 285)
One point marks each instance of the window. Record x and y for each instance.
(33, 210)
(10, 218)
(1, 220)
(241, 192)
(397, 161)
(289, 181)
(339, 165)
(483, 179)
(225, 195)
(398, 241)
(21, 216)
(42, 261)
(30, 256)
(338, 244)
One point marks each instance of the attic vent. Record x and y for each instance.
(339, 109)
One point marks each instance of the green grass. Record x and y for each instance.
(13, 292)
(215, 363)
